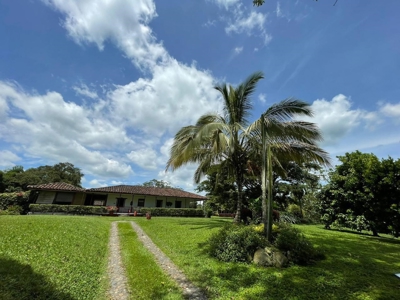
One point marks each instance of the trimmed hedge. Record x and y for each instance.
(68, 209)
(17, 199)
(173, 212)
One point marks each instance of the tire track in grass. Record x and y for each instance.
(190, 291)
(118, 289)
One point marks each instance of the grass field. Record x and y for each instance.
(64, 257)
(145, 277)
(53, 257)
(357, 266)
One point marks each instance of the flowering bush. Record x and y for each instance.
(112, 209)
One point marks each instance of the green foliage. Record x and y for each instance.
(295, 210)
(12, 210)
(173, 212)
(300, 249)
(68, 209)
(158, 183)
(235, 243)
(17, 179)
(20, 200)
(363, 194)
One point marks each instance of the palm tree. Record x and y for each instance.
(278, 137)
(219, 139)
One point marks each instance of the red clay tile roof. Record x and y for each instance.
(144, 190)
(57, 186)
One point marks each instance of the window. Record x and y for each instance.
(178, 204)
(95, 199)
(159, 203)
(140, 203)
(64, 198)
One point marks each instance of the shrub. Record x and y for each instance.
(299, 250)
(289, 218)
(12, 210)
(235, 243)
(294, 210)
(68, 209)
(173, 212)
(20, 199)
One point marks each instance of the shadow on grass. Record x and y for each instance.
(354, 269)
(19, 281)
(214, 223)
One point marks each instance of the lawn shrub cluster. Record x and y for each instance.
(68, 209)
(236, 243)
(14, 203)
(173, 212)
(297, 247)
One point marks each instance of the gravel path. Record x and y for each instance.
(190, 291)
(118, 289)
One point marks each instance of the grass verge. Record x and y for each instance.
(53, 257)
(357, 266)
(145, 277)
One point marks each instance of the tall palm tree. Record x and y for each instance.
(278, 136)
(219, 138)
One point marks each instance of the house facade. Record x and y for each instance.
(125, 197)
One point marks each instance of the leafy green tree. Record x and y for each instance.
(157, 183)
(363, 193)
(218, 139)
(16, 179)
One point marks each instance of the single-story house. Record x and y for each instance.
(125, 197)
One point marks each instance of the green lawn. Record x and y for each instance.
(65, 257)
(357, 266)
(145, 277)
(53, 257)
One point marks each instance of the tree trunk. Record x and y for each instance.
(270, 185)
(239, 181)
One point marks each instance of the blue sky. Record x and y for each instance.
(106, 84)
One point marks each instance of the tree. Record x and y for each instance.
(157, 183)
(283, 138)
(363, 193)
(16, 179)
(218, 139)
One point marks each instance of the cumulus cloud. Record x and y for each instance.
(123, 22)
(8, 159)
(85, 91)
(51, 128)
(336, 118)
(391, 110)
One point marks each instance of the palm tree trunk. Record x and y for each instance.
(264, 177)
(270, 200)
(239, 181)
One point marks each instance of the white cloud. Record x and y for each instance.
(144, 157)
(278, 10)
(246, 23)
(84, 90)
(8, 159)
(391, 110)
(225, 3)
(123, 22)
(335, 118)
(238, 50)
(51, 128)
(262, 97)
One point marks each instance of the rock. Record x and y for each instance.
(279, 260)
(262, 258)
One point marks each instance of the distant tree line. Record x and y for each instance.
(17, 179)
